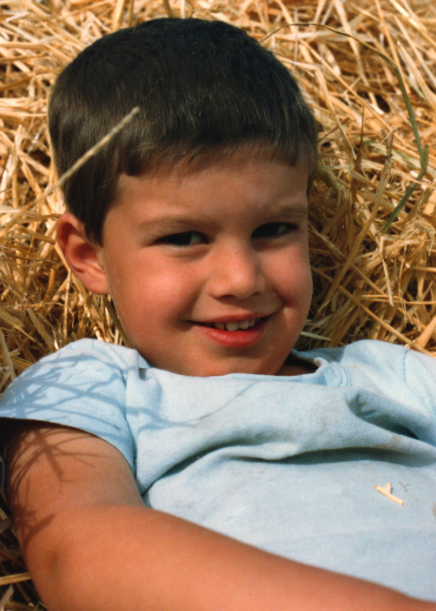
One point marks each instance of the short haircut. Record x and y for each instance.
(202, 87)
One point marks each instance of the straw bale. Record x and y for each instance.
(368, 284)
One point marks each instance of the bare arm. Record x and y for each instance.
(90, 543)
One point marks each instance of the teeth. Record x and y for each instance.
(234, 326)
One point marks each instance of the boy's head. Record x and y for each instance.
(194, 217)
(201, 86)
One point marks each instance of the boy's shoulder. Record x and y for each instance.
(82, 385)
(81, 352)
(368, 354)
(80, 367)
(382, 368)
(358, 349)
(90, 345)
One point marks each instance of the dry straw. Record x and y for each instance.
(368, 284)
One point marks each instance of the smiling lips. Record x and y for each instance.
(237, 334)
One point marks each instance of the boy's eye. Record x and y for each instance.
(186, 238)
(273, 230)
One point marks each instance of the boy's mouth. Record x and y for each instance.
(234, 334)
(234, 325)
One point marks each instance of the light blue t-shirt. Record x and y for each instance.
(288, 464)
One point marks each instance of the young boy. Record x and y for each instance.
(210, 467)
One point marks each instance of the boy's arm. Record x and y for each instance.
(91, 544)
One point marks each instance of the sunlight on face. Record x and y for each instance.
(208, 265)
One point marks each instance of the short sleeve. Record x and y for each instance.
(81, 386)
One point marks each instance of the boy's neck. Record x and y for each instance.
(295, 366)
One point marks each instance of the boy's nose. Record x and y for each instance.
(236, 272)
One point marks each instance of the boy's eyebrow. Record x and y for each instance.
(159, 224)
(294, 209)
(161, 221)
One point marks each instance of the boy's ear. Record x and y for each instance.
(83, 255)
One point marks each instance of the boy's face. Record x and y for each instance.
(208, 265)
